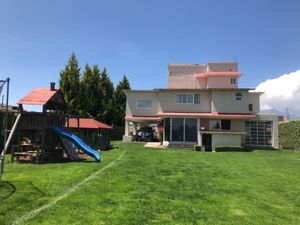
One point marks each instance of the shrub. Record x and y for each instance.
(289, 135)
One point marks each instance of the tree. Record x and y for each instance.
(120, 105)
(107, 112)
(92, 93)
(69, 84)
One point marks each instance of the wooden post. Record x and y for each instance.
(78, 126)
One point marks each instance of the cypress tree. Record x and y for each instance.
(120, 104)
(69, 84)
(93, 94)
(107, 112)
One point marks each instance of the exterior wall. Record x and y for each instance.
(221, 67)
(183, 76)
(132, 97)
(236, 125)
(187, 81)
(168, 102)
(224, 102)
(221, 82)
(226, 140)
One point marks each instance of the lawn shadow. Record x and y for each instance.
(7, 188)
(19, 193)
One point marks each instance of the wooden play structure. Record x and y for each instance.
(35, 140)
(40, 137)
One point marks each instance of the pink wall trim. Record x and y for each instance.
(218, 74)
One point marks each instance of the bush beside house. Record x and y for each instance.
(289, 135)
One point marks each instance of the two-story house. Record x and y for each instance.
(203, 105)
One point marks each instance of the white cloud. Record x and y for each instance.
(281, 93)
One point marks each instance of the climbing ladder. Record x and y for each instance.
(70, 150)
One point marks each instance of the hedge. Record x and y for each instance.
(289, 135)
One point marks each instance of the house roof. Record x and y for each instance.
(87, 123)
(38, 96)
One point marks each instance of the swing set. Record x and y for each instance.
(5, 124)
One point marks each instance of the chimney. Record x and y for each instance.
(52, 86)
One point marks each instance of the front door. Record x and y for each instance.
(206, 141)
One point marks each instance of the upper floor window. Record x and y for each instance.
(250, 107)
(232, 80)
(188, 98)
(144, 104)
(238, 97)
(196, 98)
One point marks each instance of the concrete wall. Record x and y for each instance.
(226, 140)
(168, 102)
(221, 67)
(187, 81)
(183, 75)
(236, 125)
(132, 97)
(221, 82)
(225, 102)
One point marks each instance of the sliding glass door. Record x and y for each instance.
(181, 130)
(177, 129)
(190, 133)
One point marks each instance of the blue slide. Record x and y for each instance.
(78, 142)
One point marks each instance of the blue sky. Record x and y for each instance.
(139, 38)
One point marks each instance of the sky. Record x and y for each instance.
(139, 38)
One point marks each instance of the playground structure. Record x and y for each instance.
(5, 144)
(39, 137)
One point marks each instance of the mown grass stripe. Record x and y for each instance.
(29, 215)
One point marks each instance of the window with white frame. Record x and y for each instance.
(144, 104)
(232, 80)
(238, 97)
(188, 98)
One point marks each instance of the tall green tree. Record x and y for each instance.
(92, 92)
(107, 112)
(120, 104)
(69, 84)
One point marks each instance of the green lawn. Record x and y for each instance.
(152, 186)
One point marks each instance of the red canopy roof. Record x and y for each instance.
(38, 96)
(160, 115)
(208, 115)
(146, 118)
(87, 123)
(218, 74)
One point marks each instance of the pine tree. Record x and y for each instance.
(120, 105)
(107, 112)
(69, 84)
(93, 94)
